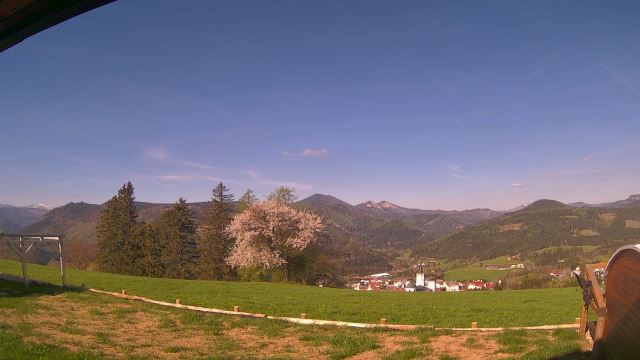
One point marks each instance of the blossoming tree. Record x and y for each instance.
(269, 233)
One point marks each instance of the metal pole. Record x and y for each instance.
(62, 272)
(24, 265)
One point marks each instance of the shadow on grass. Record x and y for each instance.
(10, 288)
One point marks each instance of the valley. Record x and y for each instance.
(372, 237)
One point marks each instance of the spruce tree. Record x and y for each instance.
(107, 243)
(177, 236)
(152, 250)
(214, 243)
(118, 248)
(246, 200)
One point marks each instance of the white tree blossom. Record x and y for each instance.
(268, 233)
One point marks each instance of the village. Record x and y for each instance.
(385, 282)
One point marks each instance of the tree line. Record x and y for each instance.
(246, 240)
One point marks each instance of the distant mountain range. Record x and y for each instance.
(389, 226)
(380, 225)
(631, 201)
(77, 221)
(466, 234)
(14, 218)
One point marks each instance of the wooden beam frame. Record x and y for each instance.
(20, 244)
(599, 303)
(594, 298)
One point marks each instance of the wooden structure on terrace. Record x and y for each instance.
(20, 244)
(616, 303)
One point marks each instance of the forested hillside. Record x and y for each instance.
(22, 216)
(542, 224)
(370, 237)
(6, 226)
(394, 228)
(387, 226)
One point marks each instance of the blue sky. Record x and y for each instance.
(426, 104)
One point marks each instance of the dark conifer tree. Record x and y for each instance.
(152, 250)
(117, 247)
(177, 236)
(214, 242)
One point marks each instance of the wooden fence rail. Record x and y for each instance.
(306, 321)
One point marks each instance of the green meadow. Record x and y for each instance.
(489, 308)
(48, 322)
(478, 270)
(474, 273)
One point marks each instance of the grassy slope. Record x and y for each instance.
(45, 322)
(490, 309)
(474, 273)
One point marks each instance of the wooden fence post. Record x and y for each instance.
(63, 272)
(600, 327)
(25, 277)
(583, 319)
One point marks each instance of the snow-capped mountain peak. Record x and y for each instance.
(382, 205)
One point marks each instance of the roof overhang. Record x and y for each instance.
(20, 19)
(618, 253)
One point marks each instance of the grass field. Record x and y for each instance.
(489, 308)
(501, 260)
(474, 273)
(478, 270)
(48, 322)
(585, 248)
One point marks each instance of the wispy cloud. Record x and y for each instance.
(308, 152)
(546, 62)
(189, 172)
(256, 178)
(536, 73)
(197, 165)
(296, 185)
(460, 124)
(314, 152)
(615, 76)
(173, 178)
(456, 171)
(518, 185)
(582, 133)
(162, 154)
(187, 178)
(157, 153)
